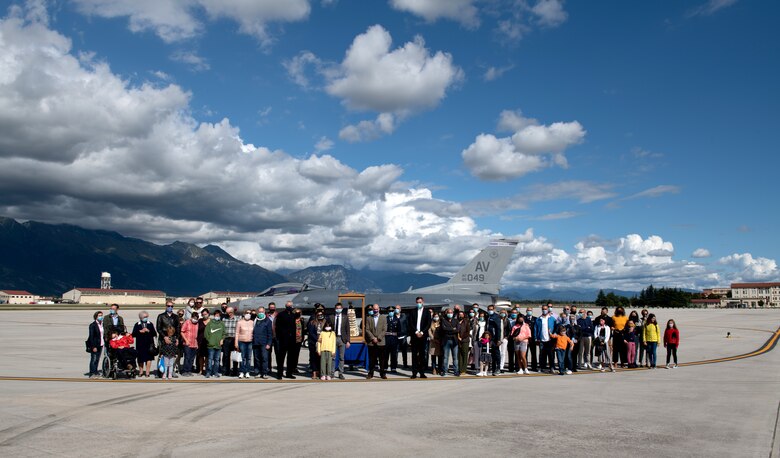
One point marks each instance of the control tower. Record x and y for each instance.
(105, 280)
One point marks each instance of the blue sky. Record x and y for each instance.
(612, 119)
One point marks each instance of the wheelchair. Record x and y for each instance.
(120, 366)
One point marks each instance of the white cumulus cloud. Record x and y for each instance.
(701, 253)
(532, 147)
(462, 11)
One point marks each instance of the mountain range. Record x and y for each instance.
(50, 259)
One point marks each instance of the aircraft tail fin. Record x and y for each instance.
(482, 274)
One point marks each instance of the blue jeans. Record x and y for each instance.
(651, 350)
(246, 356)
(213, 363)
(189, 359)
(450, 346)
(561, 354)
(262, 360)
(94, 361)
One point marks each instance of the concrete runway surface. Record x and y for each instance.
(723, 408)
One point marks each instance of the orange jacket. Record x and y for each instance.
(122, 342)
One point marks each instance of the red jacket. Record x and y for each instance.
(123, 342)
(672, 336)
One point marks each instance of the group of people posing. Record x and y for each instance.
(221, 342)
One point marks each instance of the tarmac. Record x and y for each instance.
(724, 400)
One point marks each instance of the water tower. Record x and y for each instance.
(105, 280)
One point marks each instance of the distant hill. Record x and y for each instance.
(51, 259)
(343, 278)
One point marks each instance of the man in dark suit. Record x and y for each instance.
(376, 330)
(284, 327)
(419, 324)
(341, 328)
(114, 322)
(496, 330)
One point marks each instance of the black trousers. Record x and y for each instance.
(285, 350)
(292, 357)
(419, 355)
(403, 348)
(377, 355)
(533, 348)
(228, 367)
(513, 365)
(547, 355)
(391, 351)
(495, 356)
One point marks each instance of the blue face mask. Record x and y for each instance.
(449, 315)
(514, 315)
(261, 316)
(370, 313)
(481, 319)
(529, 313)
(419, 305)
(112, 311)
(145, 320)
(338, 310)
(169, 309)
(100, 319)
(490, 312)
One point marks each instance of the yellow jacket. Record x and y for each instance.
(326, 342)
(651, 333)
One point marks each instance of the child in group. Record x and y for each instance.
(651, 337)
(630, 339)
(563, 347)
(485, 358)
(169, 352)
(326, 348)
(671, 342)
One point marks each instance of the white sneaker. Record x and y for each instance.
(527, 372)
(598, 367)
(675, 366)
(568, 372)
(240, 375)
(520, 372)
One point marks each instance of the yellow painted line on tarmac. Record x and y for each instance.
(768, 346)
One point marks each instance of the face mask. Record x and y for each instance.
(398, 313)
(206, 317)
(297, 315)
(529, 313)
(338, 310)
(319, 317)
(471, 315)
(271, 311)
(544, 312)
(419, 305)
(449, 315)
(288, 307)
(247, 316)
(579, 315)
(100, 319)
(503, 315)
(194, 320)
(481, 319)
(436, 318)
(169, 309)
(371, 313)
(513, 316)
(328, 328)
(190, 304)
(112, 312)
(490, 312)
(145, 319)
(590, 316)
(261, 316)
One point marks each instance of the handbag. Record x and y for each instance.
(153, 350)
(235, 356)
(86, 342)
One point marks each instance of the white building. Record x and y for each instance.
(18, 297)
(220, 297)
(114, 296)
(756, 294)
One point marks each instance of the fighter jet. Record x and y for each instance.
(476, 283)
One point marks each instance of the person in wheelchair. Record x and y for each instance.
(123, 352)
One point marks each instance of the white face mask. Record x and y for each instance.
(247, 316)
(327, 328)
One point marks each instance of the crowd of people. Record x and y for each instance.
(222, 342)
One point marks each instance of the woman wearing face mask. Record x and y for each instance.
(435, 344)
(144, 334)
(244, 335)
(189, 335)
(480, 324)
(95, 343)
(313, 330)
(520, 334)
(300, 335)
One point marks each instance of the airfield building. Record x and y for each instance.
(219, 297)
(114, 296)
(755, 294)
(13, 296)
